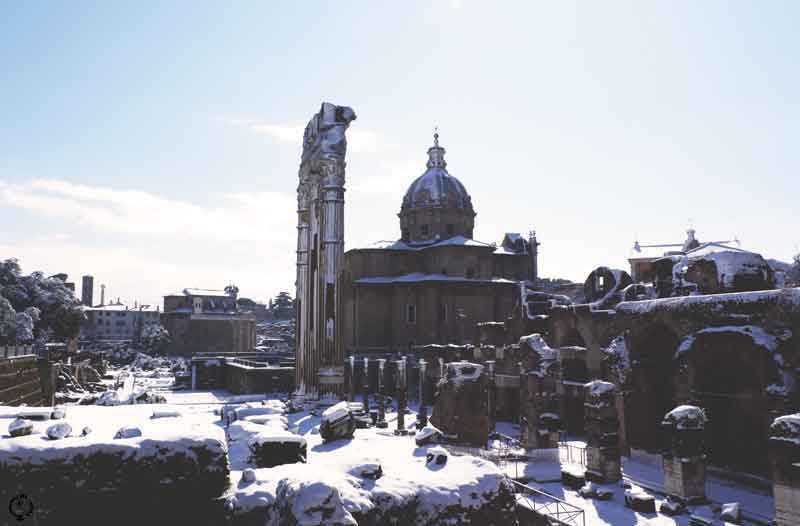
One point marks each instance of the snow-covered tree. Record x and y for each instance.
(793, 275)
(34, 306)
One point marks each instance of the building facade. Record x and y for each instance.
(204, 320)
(117, 322)
(436, 282)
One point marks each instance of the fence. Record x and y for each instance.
(11, 351)
(571, 453)
(556, 510)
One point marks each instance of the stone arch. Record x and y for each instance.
(726, 371)
(649, 391)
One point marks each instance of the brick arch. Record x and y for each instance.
(726, 373)
(649, 392)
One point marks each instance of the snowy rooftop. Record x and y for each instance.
(419, 277)
(202, 292)
(455, 241)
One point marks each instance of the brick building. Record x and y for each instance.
(436, 282)
(203, 320)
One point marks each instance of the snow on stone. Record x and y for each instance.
(618, 357)
(336, 412)
(599, 387)
(538, 345)
(464, 371)
(687, 417)
(786, 428)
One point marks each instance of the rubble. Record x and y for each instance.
(20, 427)
(337, 422)
(59, 431)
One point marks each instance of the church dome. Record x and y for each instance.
(436, 187)
(436, 205)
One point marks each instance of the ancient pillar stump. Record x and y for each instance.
(602, 426)
(683, 456)
(784, 459)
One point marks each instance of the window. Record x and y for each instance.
(411, 314)
(601, 282)
(451, 229)
(424, 230)
(443, 312)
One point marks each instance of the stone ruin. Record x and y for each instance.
(540, 422)
(461, 406)
(602, 427)
(338, 422)
(683, 456)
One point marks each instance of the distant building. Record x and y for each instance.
(205, 320)
(87, 291)
(118, 322)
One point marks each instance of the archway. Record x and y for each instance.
(727, 373)
(650, 393)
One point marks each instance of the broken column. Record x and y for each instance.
(422, 415)
(784, 459)
(683, 457)
(490, 408)
(351, 363)
(365, 386)
(402, 385)
(602, 427)
(381, 422)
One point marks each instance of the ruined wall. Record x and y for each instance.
(733, 354)
(20, 381)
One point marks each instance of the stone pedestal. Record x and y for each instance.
(683, 454)
(784, 459)
(422, 415)
(685, 478)
(602, 426)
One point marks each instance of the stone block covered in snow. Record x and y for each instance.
(337, 422)
(461, 405)
(80, 475)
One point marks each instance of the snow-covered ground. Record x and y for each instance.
(342, 464)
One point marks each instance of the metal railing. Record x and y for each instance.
(556, 510)
(571, 454)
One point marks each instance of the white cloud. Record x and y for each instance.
(152, 244)
(233, 217)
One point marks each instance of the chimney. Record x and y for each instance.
(102, 295)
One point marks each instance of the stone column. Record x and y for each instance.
(401, 397)
(683, 457)
(351, 363)
(784, 460)
(365, 386)
(381, 423)
(422, 416)
(490, 402)
(602, 426)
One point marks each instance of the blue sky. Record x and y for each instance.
(155, 145)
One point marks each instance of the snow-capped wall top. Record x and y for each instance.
(686, 417)
(336, 412)
(599, 388)
(464, 371)
(538, 345)
(786, 428)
